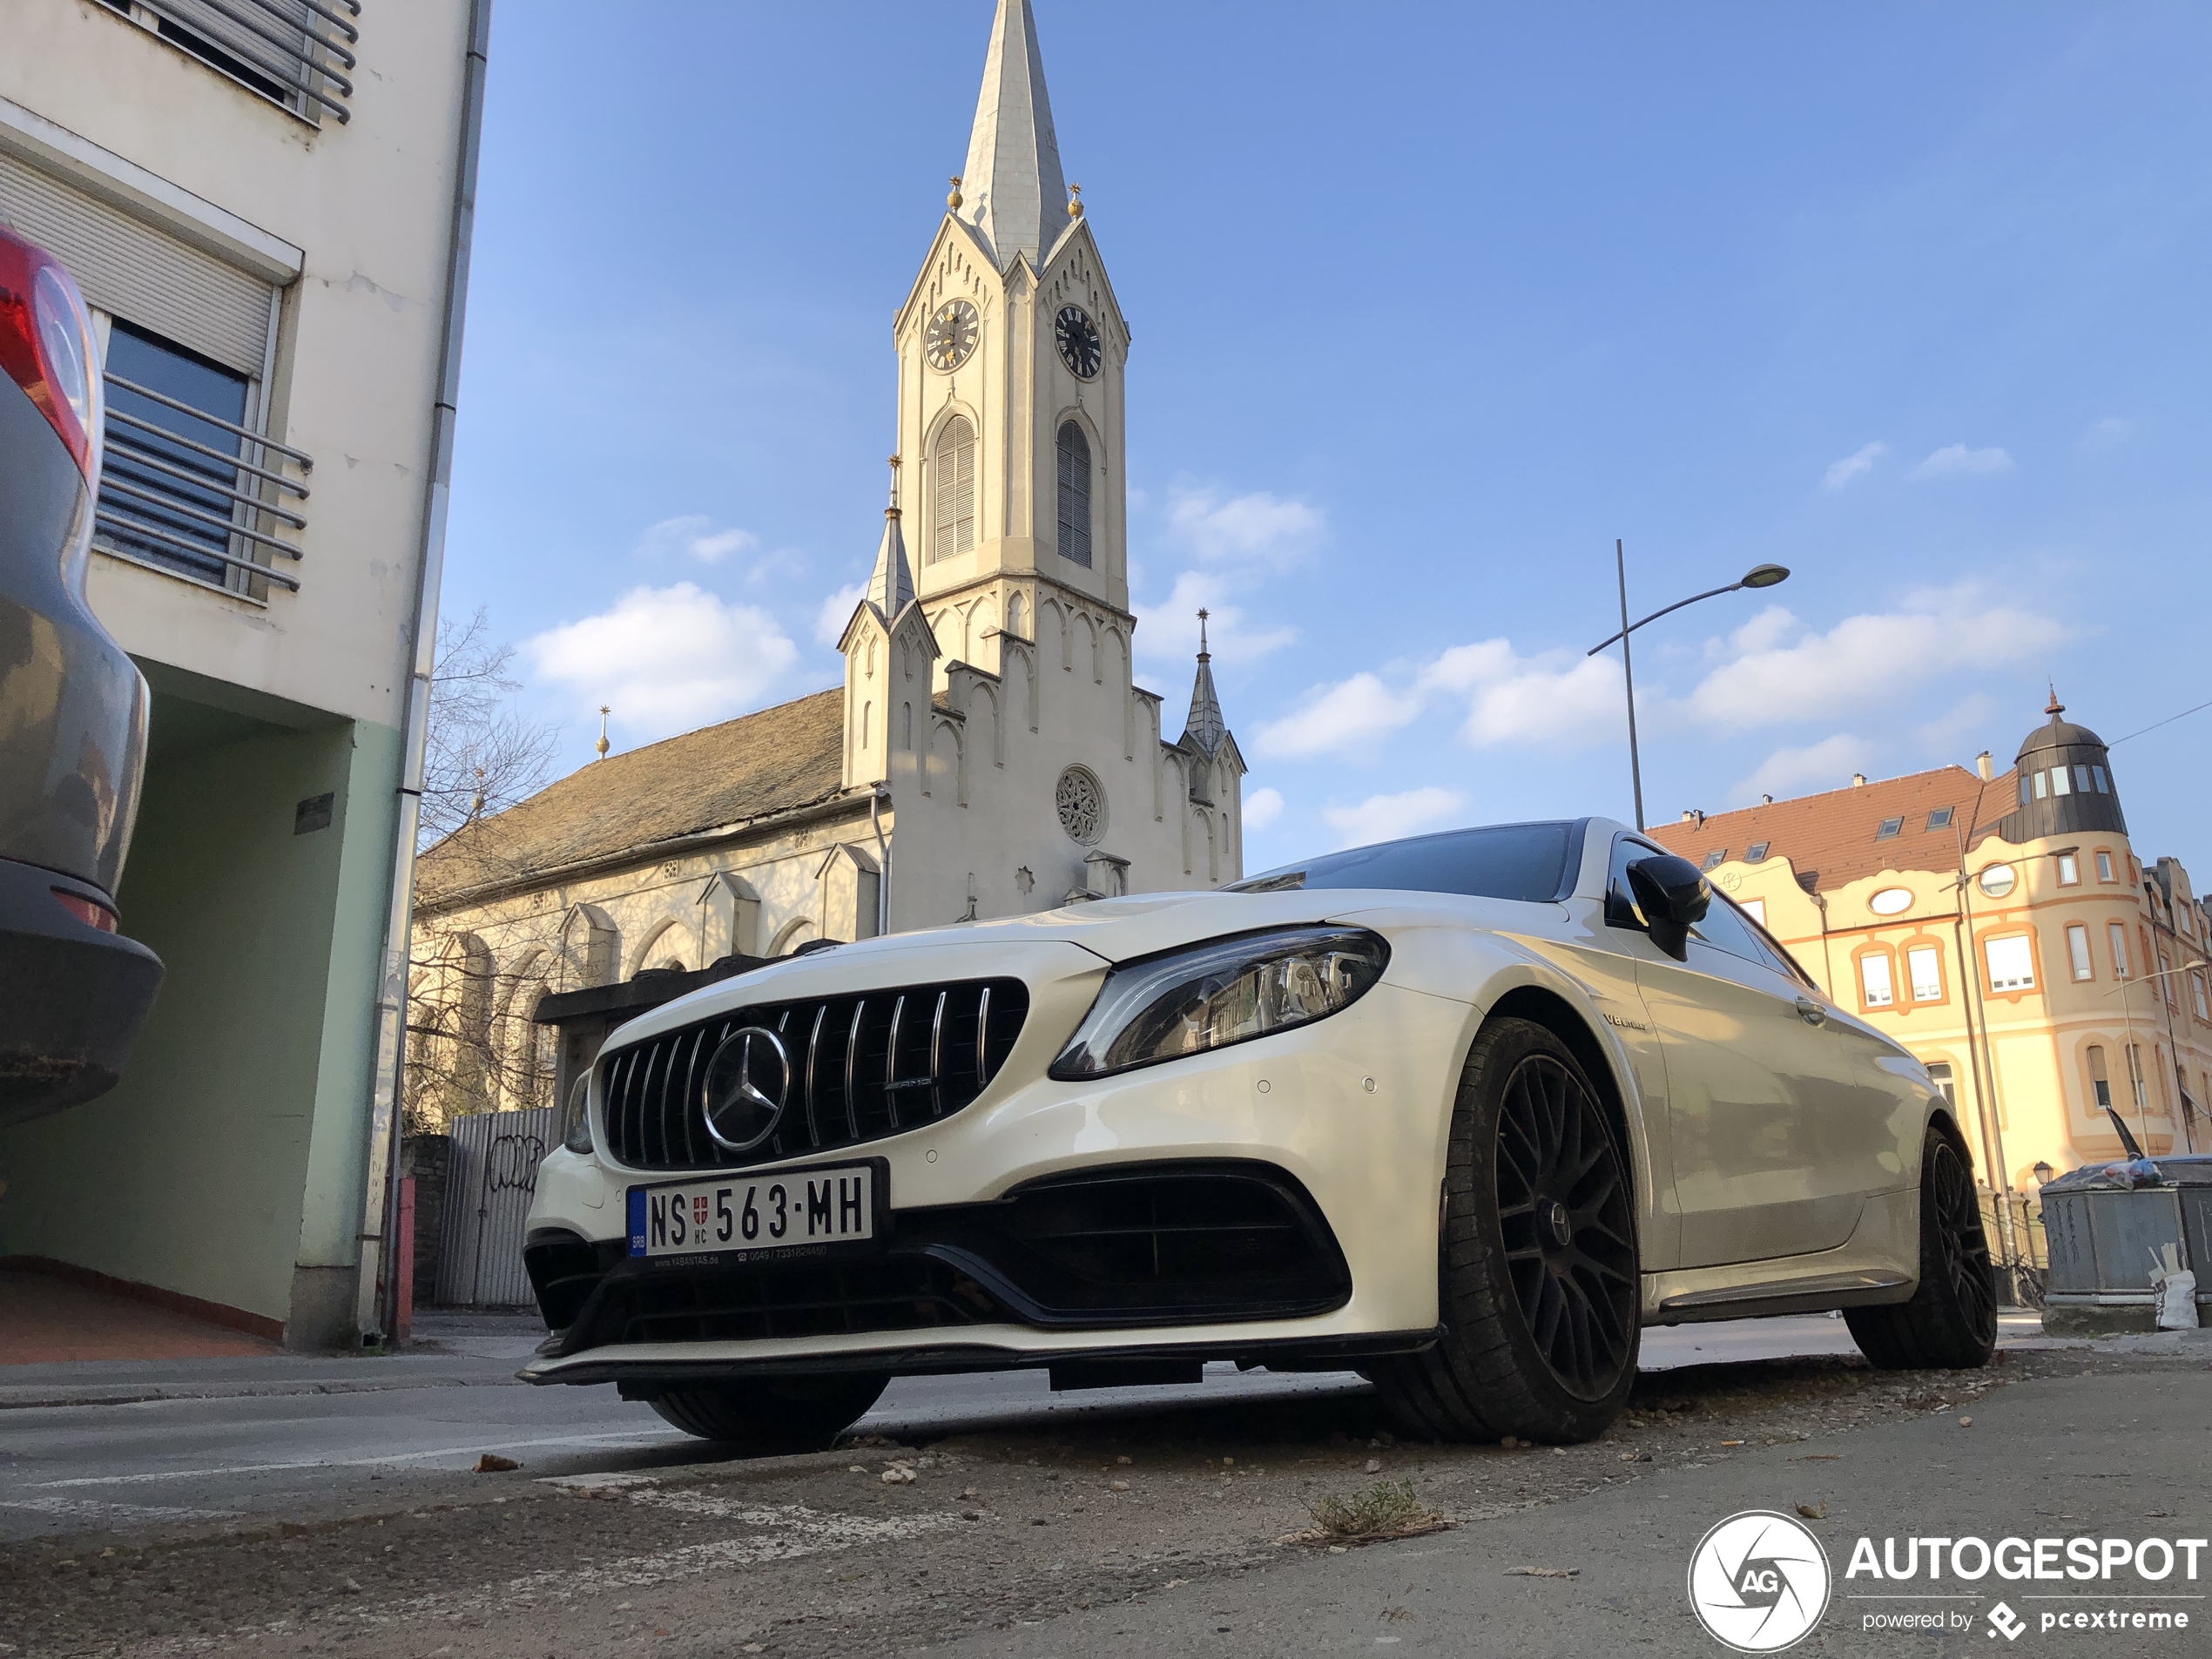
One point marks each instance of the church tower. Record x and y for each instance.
(1011, 353)
(1013, 763)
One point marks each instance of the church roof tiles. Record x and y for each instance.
(757, 767)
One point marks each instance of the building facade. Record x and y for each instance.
(989, 753)
(265, 202)
(2003, 928)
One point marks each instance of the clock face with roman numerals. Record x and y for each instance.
(951, 336)
(1078, 338)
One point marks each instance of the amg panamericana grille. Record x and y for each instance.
(862, 1067)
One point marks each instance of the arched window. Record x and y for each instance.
(1075, 494)
(1013, 617)
(952, 525)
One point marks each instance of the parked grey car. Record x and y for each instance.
(74, 992)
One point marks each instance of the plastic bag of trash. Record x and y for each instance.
(2175, 1288)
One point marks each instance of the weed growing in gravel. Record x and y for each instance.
(1388, 1511)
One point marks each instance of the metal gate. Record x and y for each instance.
(489, 1187)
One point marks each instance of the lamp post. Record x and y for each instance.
(1759, 575)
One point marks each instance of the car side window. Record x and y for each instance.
(1621, 907)
(1725, 928)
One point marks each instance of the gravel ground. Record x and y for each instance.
(878, 1550)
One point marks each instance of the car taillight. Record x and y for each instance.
(47, 348)
(91, 911)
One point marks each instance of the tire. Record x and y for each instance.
(803, 1414)
(1538, 1290)
(1951, 1323)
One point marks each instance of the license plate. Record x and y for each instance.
(792, 1212)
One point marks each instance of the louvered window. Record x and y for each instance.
(953, 487)
(292, 52)
(1075, 494)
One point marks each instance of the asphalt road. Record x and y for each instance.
(214, 1439)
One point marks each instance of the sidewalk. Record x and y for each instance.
(45, 1319)
(61, 1344)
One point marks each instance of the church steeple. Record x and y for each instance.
(1013, 191)
(1205, 728)
(891, 585)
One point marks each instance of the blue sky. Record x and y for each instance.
(1430, 303)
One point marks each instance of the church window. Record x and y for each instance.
(1081, 804)
(953, 528)
(1075, 494)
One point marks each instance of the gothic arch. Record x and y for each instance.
(984, 704)
(946, 761)
(1014, 615)
(521, 1049)
(591, 948)
(941, 449)
(1090, 633)
(794, 933)
(655, 942)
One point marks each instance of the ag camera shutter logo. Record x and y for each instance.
(1759, 1582)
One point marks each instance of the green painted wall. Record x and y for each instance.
(229, 1158)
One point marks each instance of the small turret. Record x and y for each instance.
(2065, 783)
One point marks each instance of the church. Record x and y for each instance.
(989, 752)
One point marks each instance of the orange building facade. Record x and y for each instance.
(2003, 927)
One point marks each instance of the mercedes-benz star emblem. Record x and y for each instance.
(746, 1083)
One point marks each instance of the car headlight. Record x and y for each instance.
(1224, 991)
(575, 1118)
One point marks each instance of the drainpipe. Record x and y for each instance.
(882, 862)
(377, 1290)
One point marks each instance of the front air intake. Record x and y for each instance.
(861, 1068)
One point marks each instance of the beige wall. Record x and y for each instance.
(367, 205)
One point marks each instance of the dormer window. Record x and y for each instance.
(1890, 828)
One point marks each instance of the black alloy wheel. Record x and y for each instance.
(1951, 1323)
(1538, 1279)
(1563, 1213)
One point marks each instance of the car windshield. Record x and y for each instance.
(1523, 861)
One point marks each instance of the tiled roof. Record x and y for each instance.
(786, 756)
(1832, 839)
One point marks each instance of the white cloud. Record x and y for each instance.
(1865, 660)
(1338, 718)
(1826, 764)
(1169, 630)
(1554, 697)
(694, 535)
(1957, 459)
(1385, 818)
(1263, 807)
(2109, 434)
(667, 659)
(836, 611)
(1861, 460)
(1256, 528)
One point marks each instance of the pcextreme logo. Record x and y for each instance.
(1759, 1582)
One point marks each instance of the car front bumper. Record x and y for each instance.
(1347, 1118)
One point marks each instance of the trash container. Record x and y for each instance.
(2109, 1227)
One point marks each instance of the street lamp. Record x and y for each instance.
(2043, 1173)
(1759, 575)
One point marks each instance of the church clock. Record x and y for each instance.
(952, 334)
(1078, 338)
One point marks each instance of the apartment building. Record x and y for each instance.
(2002, 926)
(267, 202)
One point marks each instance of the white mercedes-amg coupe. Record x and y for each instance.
(1463, 1112)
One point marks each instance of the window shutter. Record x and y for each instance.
(130, 269)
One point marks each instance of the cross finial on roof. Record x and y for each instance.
(2053, 708)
